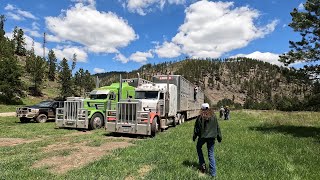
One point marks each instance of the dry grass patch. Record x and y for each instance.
(142, 172)
(81, 155)
(15, 141)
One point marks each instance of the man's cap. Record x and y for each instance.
(205, 106)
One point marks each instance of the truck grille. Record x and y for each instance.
(71, 109)
(127, 112)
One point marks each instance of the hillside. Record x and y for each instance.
(238, 79)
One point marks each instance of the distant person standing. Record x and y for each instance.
(206, 129)
(226, 113)
(221, 112)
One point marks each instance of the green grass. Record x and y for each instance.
(256, 145)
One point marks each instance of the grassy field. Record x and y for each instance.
(256, 145)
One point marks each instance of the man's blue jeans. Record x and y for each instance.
(210, 146)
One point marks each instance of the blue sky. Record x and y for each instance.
(122, 35)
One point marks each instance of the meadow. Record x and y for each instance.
(255, 145)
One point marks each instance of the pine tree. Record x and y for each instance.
(65, 79)
(88, 82)
(36, 68)
(18, 37)
(74, 61)
(10, 71)
(52, 63)
(80, 81)
(2, 32)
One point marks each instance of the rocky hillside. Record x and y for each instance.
(236, 79)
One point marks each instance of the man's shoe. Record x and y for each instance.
(203, 168)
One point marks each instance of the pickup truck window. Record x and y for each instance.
(147, 95)
(44, 104)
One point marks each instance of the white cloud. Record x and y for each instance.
(14, 16)
(266, 57)
(9, 7)
(168, 50)
(18, 14)
(32, 33)
(301, 7)
(68, 51)
(98, 70)
(121, 57)
(98, 31)
(142, 7)
(35, 26)
(141, 57)
(52, 38)
(211, 29)
(91, 3)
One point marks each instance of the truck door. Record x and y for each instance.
(52, 110)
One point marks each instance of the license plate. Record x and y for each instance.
(70, 123)
(125, 129)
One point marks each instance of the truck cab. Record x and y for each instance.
(89, 113)
(153, 108)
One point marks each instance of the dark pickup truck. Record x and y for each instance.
(40, 112)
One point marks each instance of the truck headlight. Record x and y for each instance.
(34, 110)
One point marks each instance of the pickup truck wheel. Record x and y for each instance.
(154, 127)
(42, 118)
(96, 121)
(24, 120)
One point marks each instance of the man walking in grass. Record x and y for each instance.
(207, 130)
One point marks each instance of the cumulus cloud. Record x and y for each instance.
(120, 57)
(211, 29)
(142, 7)
(98, 31)
(68, 52)
(168, 50)
(32, 33)
(263, 56)
(18, 14)
(141, 57)
(98, 70)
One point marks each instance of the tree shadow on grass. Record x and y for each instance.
(295, 131)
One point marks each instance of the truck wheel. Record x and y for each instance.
(24, 120)
(174, 123)
(182, 118)
(96, 121)
(154, 127)
(42, 118)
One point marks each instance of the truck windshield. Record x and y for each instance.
(98, 96)
(44, 104)
(147, 95)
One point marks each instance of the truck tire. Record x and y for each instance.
(154, 127)
(24, 120)
(182, 118)
(174, 123)
(96, 121)
(42, 118)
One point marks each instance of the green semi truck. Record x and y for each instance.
(89, 113)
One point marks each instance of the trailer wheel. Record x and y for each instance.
(96, 121)
(154, 127)
(24, 120)
(42, 118)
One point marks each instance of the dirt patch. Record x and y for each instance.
(7, 114)
(80, 156)
(15, 141)
(141, 172)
